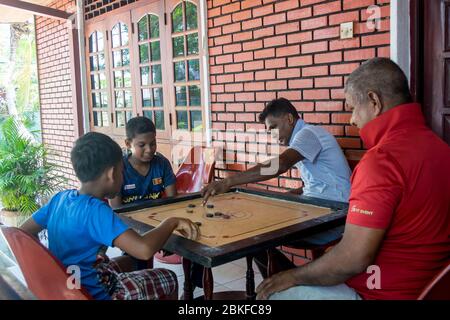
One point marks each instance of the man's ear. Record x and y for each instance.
(375, 103)
(291, 119)
(110, 173)
(128, 143)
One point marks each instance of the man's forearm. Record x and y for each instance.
(252, 175)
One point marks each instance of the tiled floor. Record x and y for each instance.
(227, 277)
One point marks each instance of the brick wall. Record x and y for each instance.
(264, 49)
(55, 89)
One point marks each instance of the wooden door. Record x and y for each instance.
(436, 44)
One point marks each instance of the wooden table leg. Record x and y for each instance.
(188, 292)
(250, 277)
(208, 283)
(270, 264)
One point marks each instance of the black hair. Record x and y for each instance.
(92, 154)
(138, 125)
(381, 76)
(276, 108)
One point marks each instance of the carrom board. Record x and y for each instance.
(231, 217)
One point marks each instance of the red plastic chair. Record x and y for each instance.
(439, 287)
(196, 171)
(45, 276)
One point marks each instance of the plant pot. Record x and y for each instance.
(10, 218)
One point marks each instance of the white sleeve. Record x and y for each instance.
(307, 144)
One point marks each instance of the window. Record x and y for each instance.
(147, 62)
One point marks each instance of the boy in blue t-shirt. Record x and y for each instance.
(80, 224)
(147, 174)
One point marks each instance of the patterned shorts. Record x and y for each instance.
(149, 284)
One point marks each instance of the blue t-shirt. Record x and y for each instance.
(325, 171)
(78, 227)
(138, 188)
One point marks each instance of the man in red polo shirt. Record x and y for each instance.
(397, 234)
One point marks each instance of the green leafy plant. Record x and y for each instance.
(26, 177)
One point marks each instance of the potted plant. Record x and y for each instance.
(27, 179)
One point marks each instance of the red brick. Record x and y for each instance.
(309, 2)
(300, 83)
(274, 19)
(228, 97)
(349, 143)
(315, 71)
(214, 51)
(226, 78)
(315, 47)
(217, 107)
(346, 68)
(344, 44)
(317, 117)
(262, 11)
(241, 15)
(299, 37)
(313, 23)
(222, 20)
(217, 3)
(264, 32)
(245, 76)
(351, 131)
(243, 56)
(254, 86)
(326, 33)
(276, 63)
(245, 117)
(299, 14)
(251, 3)
(291, 95)
(224, 59)
(275, 41)
(231, 48)
(265, 75)
(234, 87)
(341, 118)
(235, 107)
(223, 40)
(329, 106)
(343, 17)
(317, 94)
(337, 94)
(361, 54)
(327, 8)
(352, 4)
(236, 67)
(276, 85)
(251, 24)
(214, 32)
(217, 88)
(252, 45)
(334, 130)
(327, 57)
(245, 96)
(254, 107)
(286, 5)
(265, 96)
(384, 52)
(241, 36)
(328, 82)
(375, 40)
(233, 7)
(289, 183)
(232, 28)
(287, 27)
(265, 53)
(288, 51)
(288, 73)
(300, 61)
(254, 65)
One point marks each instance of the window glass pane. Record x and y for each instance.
(118, 80)
(143, 53)
(94, 64)
(124, 34)
(194, 96)
(125, 57)
(191, 16)
(148, 114)
(156, 74)
(102, 81)
(180, 71)
(119, 99)
(146, 98)
(97, 118)
(120, 119)
(178, 46)
(115, 36)
(154, 26)
(180, 96)
(100, 43)
(143, 29)
(156, 51)
(128, 115)
(177, 19)
(128, 102)
(196, 121)
(94, 82)
(158, 97)
(182, 120)
(192, 43)
(94, 101)
(104, 100)
(101, 61)
(105, 118)
(194, 70)
(127, 78)
(117, 59)
(159, 119)
(145, 80)
(92, 43)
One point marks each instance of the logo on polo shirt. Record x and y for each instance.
(129, 186)
(358, 210)
(157, 181)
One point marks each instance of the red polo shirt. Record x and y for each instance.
(402, 185)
